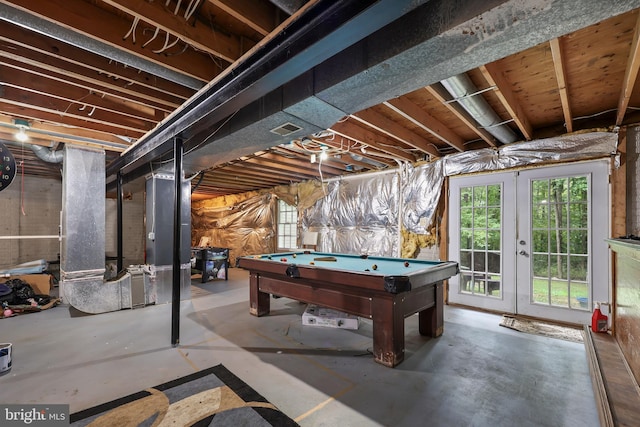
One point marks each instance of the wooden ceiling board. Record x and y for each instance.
(597, 62)
(98, 23)
(30, 47)
(533, 81)
(214, 14)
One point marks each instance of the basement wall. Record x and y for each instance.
(133, 229)
(41, 216)
(42, 206)
(245, 223)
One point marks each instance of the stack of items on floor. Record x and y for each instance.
(320, 316)
(25, 293)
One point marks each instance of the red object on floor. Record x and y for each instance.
(599, 322)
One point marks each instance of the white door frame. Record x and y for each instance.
(516, 269)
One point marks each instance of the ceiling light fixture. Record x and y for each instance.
(323, 154)
(22, 125)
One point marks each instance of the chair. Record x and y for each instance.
(310, 240)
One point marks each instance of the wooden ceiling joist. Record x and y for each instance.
(392, 129)
(237, 173)
(630, 74)
(494, 77)
(426, 121)
(209, 40)
(73, 96)
(558, 65)
(257, 15)
(31, 112)
(75, 61)
(92, 21)
(440, 93)
(383, 143)
(58, 79)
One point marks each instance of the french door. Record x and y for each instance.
(532, 242)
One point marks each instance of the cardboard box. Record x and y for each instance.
(321, 316)
(41, 283)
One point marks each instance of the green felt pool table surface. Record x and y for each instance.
(354, 263)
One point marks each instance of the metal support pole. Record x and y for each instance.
(177, 238)
(120, 253)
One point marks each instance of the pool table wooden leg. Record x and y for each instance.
(388, 331)
(259, 302)
(431, 320)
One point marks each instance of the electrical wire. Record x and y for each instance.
(191, 10)
(155, 34)
(132, 30)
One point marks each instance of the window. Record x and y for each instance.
(287, 225)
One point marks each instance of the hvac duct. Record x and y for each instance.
(359, 158)
(463, 90)
(39, 25)
(47, 155)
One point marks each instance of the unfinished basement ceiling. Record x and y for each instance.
(104, 74)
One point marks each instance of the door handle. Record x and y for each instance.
(523, 253)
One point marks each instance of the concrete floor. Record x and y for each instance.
(476, 374)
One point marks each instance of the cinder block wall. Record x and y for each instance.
(42, 206)
(132, 229)
(30, 211)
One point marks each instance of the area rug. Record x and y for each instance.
(542, 328)
(212, 397)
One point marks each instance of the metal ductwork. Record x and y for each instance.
(47, 155)
(25, 20)
(465, 93)
(359, 158)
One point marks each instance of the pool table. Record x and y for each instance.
(386, 290)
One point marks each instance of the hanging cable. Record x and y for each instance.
(191, 9)
(195, 187)
(132, 30)
(155, 34)
(175, 12)
(166, 44)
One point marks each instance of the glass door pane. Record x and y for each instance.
(480, 237)
(560, 242)
(477, 240)
(562, 261)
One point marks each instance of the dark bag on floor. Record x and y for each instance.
(6, 294)
(22, 291)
